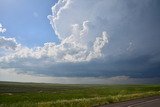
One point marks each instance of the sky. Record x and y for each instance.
(80, 41)
(27, 21)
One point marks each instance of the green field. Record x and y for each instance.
(58, 95)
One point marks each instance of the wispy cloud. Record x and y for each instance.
(2, 29)
(35, 14)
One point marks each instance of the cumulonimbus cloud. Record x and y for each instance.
(98, 38)
(83, 42)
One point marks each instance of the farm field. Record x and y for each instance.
(14, 94)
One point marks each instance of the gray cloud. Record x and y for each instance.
(13, 75)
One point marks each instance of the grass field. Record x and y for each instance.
(58, 95)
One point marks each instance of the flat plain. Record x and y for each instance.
(14, 94)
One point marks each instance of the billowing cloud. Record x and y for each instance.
(112, 39)
(69, 50)
(2, 29)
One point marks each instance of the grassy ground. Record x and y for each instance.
(56, 95)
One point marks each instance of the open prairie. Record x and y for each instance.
(14, 94)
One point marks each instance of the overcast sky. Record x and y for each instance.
(80, 41)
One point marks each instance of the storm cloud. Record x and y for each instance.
(98, 39)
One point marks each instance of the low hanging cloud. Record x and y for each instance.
(98, 39)
(13, 75)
